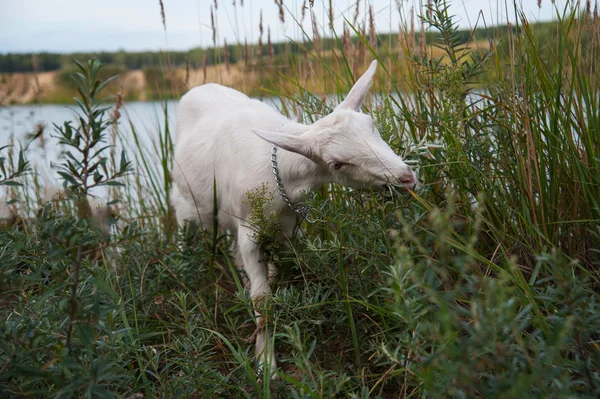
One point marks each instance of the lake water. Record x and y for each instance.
(18, 121)
(148, 118)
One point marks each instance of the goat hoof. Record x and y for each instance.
(260, 372)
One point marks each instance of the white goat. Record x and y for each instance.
(225, 138)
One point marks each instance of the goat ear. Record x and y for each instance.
(298, 144)
(359, 90)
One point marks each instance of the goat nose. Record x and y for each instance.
(409, 179)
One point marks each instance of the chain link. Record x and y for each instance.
(303, 211)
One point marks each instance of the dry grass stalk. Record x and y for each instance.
(411, 44)
(162, 14)
(35, 65)
(361, 46)
(216, 5)
(316, 35)
(596, 37)
(356, 12)
(40, 129)
(305, 59)
(372, 33)
(422, 40)
(36, 69)
(260, 34)
(402, 39)
(11, 147)
(281, 10)
(187, 73)
(270, 46)
(246, 52)
(347, 42)
(213, 26)
(302, 11)
(116, 114)
(117, 110)
(226, 50)
(588, 9)
(204, 67)
(331, 15)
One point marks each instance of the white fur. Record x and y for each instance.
(225, 138)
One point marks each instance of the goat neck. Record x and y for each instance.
(298, 173)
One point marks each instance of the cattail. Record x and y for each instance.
(361, 47)
(303, 11)
(412, 28)
(270, 46)
(315, 28)
(117, 110)
(356, 11)
(212, 25)
(346, 42)
(401, 39)
(372, 34)
(305, 51)
(39, 128)
(588, 9)
(281, 11)
(226, 49)
(187, 73)
(116, 114)
(162, 14)
(331, 15)
(422, 39)
(204, 67)
(246, 52)
(260, 34)
(11, 146)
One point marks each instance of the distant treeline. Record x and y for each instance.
(40, 62)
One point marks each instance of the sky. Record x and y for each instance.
(135, 25)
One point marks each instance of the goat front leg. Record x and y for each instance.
(259, 288)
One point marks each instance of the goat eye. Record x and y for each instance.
(336, 165)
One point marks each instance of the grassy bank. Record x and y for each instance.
(483, 283)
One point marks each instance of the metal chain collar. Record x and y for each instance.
(303, 211)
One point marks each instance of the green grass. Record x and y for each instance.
(483, 283)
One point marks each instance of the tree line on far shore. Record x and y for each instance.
(198, 57)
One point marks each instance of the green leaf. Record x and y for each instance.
(68, 178)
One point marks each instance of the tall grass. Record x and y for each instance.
(483, 283)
